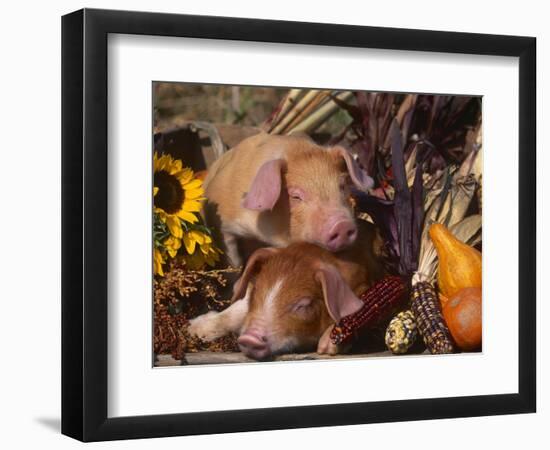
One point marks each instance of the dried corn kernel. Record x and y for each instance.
(401, 333)
(380, 300)
(429, 319)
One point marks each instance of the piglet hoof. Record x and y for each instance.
(206, 327)
(330, 349)
(326, 346)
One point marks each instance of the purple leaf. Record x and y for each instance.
(382, 213)
(417, 211)
(403, 204)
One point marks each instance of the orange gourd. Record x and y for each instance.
(459, 264)
(462, 312)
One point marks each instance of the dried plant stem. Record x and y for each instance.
(319, 100)
(410, 166)
(300, 106)
(406, 105)
(320, 116)
(288, 103)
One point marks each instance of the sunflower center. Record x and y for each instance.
(170, 195)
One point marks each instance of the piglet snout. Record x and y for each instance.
(339, 234)
(253, 343)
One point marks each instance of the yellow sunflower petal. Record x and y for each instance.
(189, 243)
(158, 160)
(194, 194)
(175, 167)
(174, 242)
(158, 269)
(155, 190)
(185, 176)
(191, 205)
(158, 260)
(163, 162)
(172, 245)
(206, 246)
(158, 255)
(197, 236)
(187, 216)
(155, 161)
(193, 185)
(174, 226)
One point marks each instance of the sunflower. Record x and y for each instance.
(200, 249)
(177, 193)
(178, 230)
(210, 254)
(206, 254)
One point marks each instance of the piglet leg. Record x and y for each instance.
(213, 325)
(327, 347)
(232, 249)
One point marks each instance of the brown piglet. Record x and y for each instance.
(288, 299)
(275, 190)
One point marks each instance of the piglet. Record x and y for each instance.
(288, 299)
(276, 190)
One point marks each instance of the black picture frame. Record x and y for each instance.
(84, 224)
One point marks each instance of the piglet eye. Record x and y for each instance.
(302, 307)
(296, 194)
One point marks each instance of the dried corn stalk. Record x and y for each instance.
(320, 115)
(288, 102)
(305, 110)
(449, 197)
(296, 110)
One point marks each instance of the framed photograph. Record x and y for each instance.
(273, 225)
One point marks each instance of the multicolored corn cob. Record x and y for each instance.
(380, 300)
(429, 319)
(401, 333)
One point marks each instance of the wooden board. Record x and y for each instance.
(201, 358)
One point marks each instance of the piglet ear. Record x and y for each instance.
(359, 177)
(266, 187)
(339, 298)
(252, 267)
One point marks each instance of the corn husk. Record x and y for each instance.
(449, 201)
